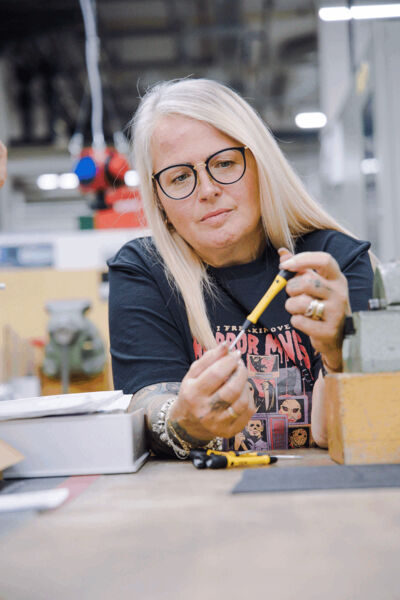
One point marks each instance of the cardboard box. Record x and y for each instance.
(77, 444)
(8, 456)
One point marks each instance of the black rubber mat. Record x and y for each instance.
(336, 477)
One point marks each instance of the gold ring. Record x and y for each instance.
(315, 310)
(232, 413)
(319, 311)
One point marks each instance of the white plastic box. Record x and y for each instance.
(77, 444)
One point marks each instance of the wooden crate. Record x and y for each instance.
(363, 416)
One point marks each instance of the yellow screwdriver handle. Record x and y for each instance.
(276, 286)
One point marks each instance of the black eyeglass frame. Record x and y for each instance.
(242, 149)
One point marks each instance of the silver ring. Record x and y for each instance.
(315, 310)
(232, 413)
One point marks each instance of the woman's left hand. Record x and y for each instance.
(318, 301)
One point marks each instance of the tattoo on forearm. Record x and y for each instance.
(151, 398)
(172, 386)
(185, 436)
(143, 397)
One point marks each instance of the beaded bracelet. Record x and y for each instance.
(181, 447)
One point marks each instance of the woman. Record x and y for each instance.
(226, 213)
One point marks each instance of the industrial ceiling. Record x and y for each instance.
(265, 49)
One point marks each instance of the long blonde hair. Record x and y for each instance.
(287, 210)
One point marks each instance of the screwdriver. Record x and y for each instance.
(200, 456)
(276, 286)
(229, 461)
(201, 452)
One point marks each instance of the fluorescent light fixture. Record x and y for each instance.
(47, 181)
(367, 11)
(68, 181)
(131, 178)
(310, 120)
(335, 13)
(370, 166)
(376, 11)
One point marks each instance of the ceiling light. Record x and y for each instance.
(367, 11)
(370, 166)
(131, 178)
(47, 181)
(376, 11)
(310, 120)
(335, 13)
(68, 181)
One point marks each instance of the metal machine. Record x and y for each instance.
(375, 345)
(75, 347)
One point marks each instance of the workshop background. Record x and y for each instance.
(57, 229)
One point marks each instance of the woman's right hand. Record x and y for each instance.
(215, 398)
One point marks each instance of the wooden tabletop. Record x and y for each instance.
(171, 531)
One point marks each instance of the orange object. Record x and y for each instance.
(109, 170)
(111, 219)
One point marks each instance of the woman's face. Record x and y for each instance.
(221, 222)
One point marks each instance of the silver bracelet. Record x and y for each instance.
(181, 447)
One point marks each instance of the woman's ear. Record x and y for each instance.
(164, 215)
(160, 207)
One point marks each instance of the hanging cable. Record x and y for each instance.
(76, 142)
(92, 46)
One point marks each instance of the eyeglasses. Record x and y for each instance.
(226, 166)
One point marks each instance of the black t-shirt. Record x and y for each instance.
(151, 341)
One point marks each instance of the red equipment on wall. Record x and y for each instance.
(101, 169)
(102, 172)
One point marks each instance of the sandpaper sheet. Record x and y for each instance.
(334, 477)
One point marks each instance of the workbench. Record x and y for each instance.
(171, 531)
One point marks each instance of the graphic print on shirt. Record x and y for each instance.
(280, 377)
(294, 407)
(300, 437)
